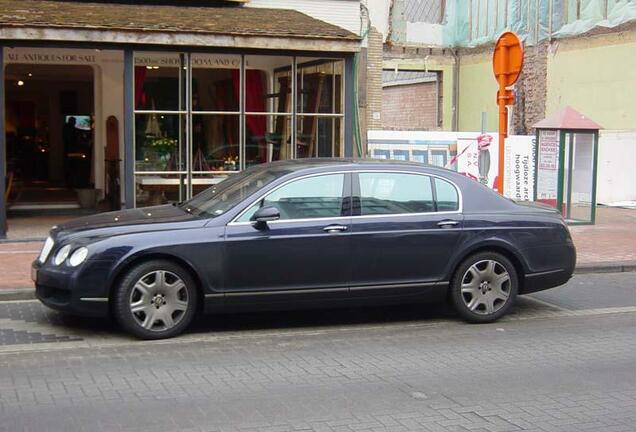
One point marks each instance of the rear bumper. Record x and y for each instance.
(543, 280)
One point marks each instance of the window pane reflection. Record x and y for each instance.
(215, 143)
(159, 142)
(215, 82)
(156, 189)
(157, 82)
(267, 138)
(319, 83)
(268, 84)
(319, 137)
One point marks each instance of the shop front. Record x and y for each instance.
(148, 117)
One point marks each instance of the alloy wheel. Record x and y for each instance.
(158, 300)
(485, 287)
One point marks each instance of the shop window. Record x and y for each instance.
(393, 193)
(312, 197)
(439, 158)
(382, 154)
(319, 104)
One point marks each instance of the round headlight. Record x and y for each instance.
(61, 255)
(78, 257)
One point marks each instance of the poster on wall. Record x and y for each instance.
(478, 158)
(519, 167)
(548, 166)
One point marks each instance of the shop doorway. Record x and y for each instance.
(50, 139)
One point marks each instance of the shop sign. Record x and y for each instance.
(548, 165)
(519, 167)
(50, 56)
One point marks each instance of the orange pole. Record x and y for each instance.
(503, 118)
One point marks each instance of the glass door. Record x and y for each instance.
(578, 177)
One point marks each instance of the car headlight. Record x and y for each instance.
(61, 255)
(46, 250)
(78, 257)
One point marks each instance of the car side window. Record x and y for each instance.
(311, 197)
(446, 194)
(384, 193)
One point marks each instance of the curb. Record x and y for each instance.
(604, 267)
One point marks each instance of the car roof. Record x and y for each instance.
(295, 165)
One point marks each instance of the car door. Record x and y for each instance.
(405, 228)
(307, 250)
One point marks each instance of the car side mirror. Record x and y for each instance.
(265, 214)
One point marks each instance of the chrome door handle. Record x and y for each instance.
(335, 228)
(447, 223)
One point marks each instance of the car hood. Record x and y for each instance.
(128, 221)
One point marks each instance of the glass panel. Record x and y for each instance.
(402, 155)
(381, 154)
(313, 197)
(215, 82)
(159, 142)
(439, 158)
(581, 184)
(391, 193)
(215, 142)
(268, 84)
(319, 137)
(232, 190)
(157, 78)
(446, 194)
(319, 84)
(420, 156)
(548, 167)
(156, 189)
(267, 138)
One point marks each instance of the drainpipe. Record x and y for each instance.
(455, 108)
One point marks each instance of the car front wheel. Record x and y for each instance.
(155, 300)
(484, 287)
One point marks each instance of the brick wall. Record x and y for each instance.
(410, 106)
(531, 90)
(374, 80)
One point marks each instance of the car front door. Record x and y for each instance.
(405, 228)
(307, 250)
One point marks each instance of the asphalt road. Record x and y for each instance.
(565, 360)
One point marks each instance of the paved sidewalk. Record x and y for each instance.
(610, 245)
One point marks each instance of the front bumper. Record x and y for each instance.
(78, 291)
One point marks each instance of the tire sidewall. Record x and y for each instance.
(121, 296)
(456, 283)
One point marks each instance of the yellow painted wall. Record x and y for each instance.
(477, 93)
(596, 76)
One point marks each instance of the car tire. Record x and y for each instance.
(484, 287)
(155, 300)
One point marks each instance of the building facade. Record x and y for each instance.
(143, 103)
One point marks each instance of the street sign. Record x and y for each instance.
(507, 62)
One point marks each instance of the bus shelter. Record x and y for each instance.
(566, 164)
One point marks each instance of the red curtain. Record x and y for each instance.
(140, 78)
(254, 102)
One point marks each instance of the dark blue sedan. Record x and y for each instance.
(307, 233)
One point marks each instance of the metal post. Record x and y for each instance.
(129, 128)
(349, 106)
(3, 152)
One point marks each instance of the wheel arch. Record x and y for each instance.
(154, 256)
(498, 247)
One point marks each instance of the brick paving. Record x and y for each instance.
(545, 374)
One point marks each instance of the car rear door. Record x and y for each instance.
(405, 228)
(306, 251)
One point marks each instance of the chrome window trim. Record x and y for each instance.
(459, 210)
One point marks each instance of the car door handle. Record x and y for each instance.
(447, 223)
(335, 228)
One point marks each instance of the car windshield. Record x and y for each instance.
(221, 197)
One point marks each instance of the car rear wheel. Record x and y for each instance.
(155, 300)
(484, 287)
